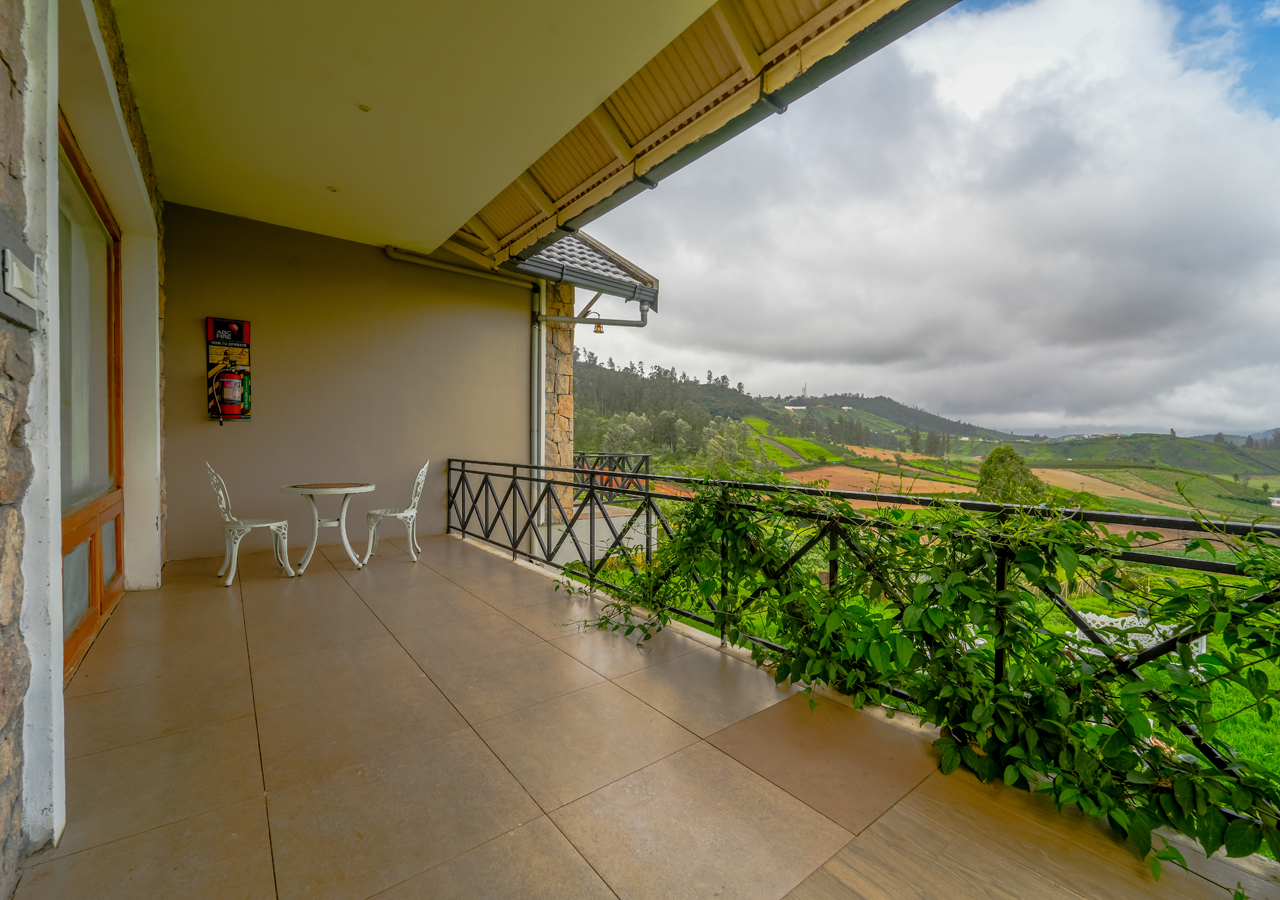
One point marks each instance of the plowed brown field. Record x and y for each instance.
(844, 478)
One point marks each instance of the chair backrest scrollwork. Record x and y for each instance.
(417, 487)
(220, 489)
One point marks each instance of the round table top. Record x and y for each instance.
(328, 487)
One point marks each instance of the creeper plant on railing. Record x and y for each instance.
(946, 613)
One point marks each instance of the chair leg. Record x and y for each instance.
(413, 533)
(374, 522)
(282, 543)
(226, 553)
(275, 546)
(413, 549)
(234, 538)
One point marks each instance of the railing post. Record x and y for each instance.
(648, 522)
(833, 565)
(515, 510)
(448, 499)
(724, 585)
(1002, 574)
(591, 529)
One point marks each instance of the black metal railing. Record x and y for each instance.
(579, 518)
(561, 516)
(613, 470)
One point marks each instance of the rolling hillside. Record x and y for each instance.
(1154, 450)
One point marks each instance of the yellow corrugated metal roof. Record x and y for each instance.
(717, 69)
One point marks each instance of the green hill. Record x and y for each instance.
(1154, 450)
(884, 414)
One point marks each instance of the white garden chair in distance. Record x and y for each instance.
(234, 530)
(408, 515)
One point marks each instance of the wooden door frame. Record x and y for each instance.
(85, 520)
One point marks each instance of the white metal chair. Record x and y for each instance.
(408, 515)
(234, 530)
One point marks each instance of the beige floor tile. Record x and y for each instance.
(128, 790)
(295, 593)
(448, 645)
(512, 680)
(190, 570)
(523, 590)
(698, 824)
(107, 670)
(705, 691)
(308, 740)
(392, 573)
(352, 623)
(565, 748)
(534, 862)
(613, 654)
(261, 564)
(224, 854)
(847, 765)
(101, 721)
(410, 609)
(368, 827)
(559, 617)
(285, 680)
(155, 617)
(1069, 848)
(289, 610)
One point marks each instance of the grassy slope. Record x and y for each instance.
(1165, 450)
(808, 449)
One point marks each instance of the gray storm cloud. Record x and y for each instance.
(1028, 217)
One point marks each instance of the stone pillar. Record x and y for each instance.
(559, 386)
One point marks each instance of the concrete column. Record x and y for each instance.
(140, 327)
(44, 806)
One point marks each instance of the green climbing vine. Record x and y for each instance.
(966, 619)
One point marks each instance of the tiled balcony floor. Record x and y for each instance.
(433, 730)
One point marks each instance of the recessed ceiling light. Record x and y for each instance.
(329, 187)
(362, 107)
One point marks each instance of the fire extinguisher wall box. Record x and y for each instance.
(229, 380)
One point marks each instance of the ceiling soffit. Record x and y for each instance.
(387, 121)
(738, 63)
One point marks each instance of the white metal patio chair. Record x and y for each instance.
(234, 530)
(408, 515)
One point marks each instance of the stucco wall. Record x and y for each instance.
(363, 367)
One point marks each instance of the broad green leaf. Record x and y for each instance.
(1242, 838)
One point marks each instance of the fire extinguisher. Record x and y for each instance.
(229, 394)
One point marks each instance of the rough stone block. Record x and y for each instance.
(564, 405)
(12, 533)
(19, 357)
(15, 473)
(15, 672)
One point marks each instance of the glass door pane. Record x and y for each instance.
(84, 270)
(76, 590)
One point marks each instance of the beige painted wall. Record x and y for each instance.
(363, 368)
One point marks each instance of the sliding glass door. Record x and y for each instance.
(89, 315)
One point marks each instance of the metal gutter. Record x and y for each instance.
(876, 36)
(419, 259)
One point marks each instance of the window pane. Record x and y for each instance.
(108, 552)
(75, 588)
(86, 414)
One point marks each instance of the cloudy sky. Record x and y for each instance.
(1030, 214)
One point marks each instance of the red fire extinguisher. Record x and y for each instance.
(229, 395)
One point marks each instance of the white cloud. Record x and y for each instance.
(1270, 12)
(1043, 214)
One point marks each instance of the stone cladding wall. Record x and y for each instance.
(559, 385)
